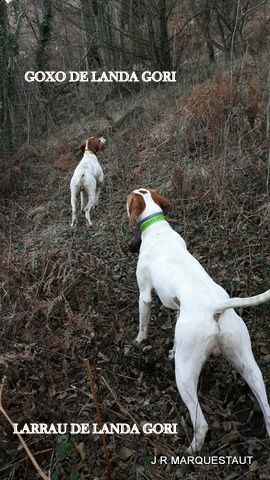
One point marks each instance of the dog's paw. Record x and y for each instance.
(189, 451)
(194, 448)
(137, 341)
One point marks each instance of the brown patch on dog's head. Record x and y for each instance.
(135, 206)
(163, 202)
(95, 144)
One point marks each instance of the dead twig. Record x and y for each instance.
(92, 385)
(126, 412)
(6, 467)
(122, 409)
(23, 443)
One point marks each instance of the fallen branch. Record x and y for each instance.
(23, 443)
(126, 412)
(122, 409)
(99, 419)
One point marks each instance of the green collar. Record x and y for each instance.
(148, 221)
(89, 151)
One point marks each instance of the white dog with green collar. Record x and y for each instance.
(207, 322)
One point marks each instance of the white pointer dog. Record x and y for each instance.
(87, 178)
(206, 322)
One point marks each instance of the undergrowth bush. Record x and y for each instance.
(227, 110)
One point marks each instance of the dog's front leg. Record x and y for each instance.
(145, 301)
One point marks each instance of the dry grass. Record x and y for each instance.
(227, 108)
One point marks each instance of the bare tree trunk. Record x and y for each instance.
(165, 55)
(9, 48)
(115, 16)
(102, 43)
(205, 27)
(158, 35)
(204, 22)
(42, 64)
(93, 57)
(230, 26)
(225, 19)
(45, 30)
(4, 55)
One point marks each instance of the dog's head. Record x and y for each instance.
(138, 199)
(95, 144)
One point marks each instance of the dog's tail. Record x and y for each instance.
(237, 302)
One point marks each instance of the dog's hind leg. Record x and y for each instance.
(73, 201)
(83, 200)
(99, 181)
(89, 205)
(236, 347)
(98, 190)
(187, 381)
(187, 374)
(194, 340)
(172, 351)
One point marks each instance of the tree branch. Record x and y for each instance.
(23, 443)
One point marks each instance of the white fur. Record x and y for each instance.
(87, 180)
(166, 266)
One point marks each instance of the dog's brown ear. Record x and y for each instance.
(82, 147)
(95, 144)
(136, 206)
(163, 202)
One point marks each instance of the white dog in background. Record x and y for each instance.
(87, 178)
(206, 320)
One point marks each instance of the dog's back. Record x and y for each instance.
(87, 178)
(87, 172)
(174, 272)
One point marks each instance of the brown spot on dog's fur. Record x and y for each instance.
(136, 206)
(163, 202)
(94, 144)
(177, 301)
